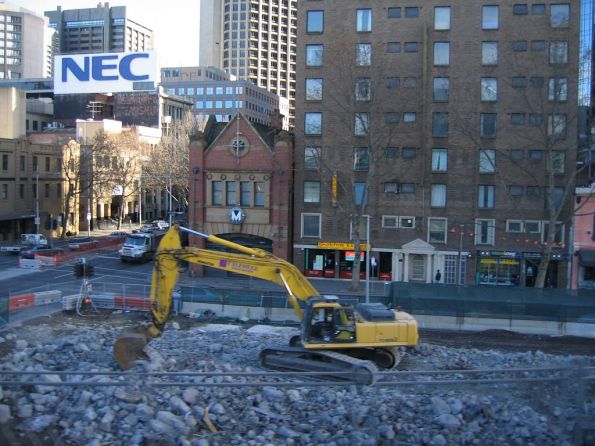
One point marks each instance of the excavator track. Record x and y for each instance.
(297, 359)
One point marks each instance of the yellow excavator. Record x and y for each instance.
(334, 337)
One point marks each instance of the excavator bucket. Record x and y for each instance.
(129, 347)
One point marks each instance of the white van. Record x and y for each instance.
(34, 239)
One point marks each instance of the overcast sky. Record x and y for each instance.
(174, 23)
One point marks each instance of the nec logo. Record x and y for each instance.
(105, 67)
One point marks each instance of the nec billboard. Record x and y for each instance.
(105, 73)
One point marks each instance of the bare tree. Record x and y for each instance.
(168, 163)
(122, 158)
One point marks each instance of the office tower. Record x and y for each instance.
(103, 29)
(23, 44)
(254, 40)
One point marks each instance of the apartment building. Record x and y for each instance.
(451, 127)
(253, 40)
(103, 29)
(214, 92)
(24, 43)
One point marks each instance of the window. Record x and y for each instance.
(230, 193)
(217, 193)
(436, 230)
(489, 53)
(245, 193)
(411, 12)
(558, 52)
(312, 158)
(394, 13)
(46, 188)
(362, 89)
(393, 47)
(313, 123)
(407, 188)
(488, 125)
(409, 152)
(558, 162)
(35, 164)
(391, 117)
(311, 191)
(439, 160)
(4, 161)
(5, 191)
(535, 155)
(538, 45)
(361, 158)
(558, 89)
(485, 197)
(558, 234)
(518, 118)
(391, 188)
(441, 87)
(441, 53)
(514, 226)
(439, 124)
(515, 191)
(517, 154)
(487, 161)
(311, 225)
(411, 47)
(393, 82)
(360, 193)
(532, 227)
(315, 21)
(538, 9)
(363, 54)
(313, 89)
(22, 190)
(442, 18)
(438, 196)
(407, 222)
(259, 194)
(391, 152)
(556, 125)
(409, 117)
(489, 89)
(519, 45)
(485, 232)
(23, 163)
(390, 221)
(361, 124)
(364, 20)
(520, 9)
(47, 163)
(490, 17)
(560, 16)
(519, 82)
(314, 55)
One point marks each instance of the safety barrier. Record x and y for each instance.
(27, 300)
(132, 303)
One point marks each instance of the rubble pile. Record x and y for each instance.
(204, 411)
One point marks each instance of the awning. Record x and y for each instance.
(16, 215)
(586, 257)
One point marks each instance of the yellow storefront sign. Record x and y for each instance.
(341, 246)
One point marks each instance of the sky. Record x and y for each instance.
(174, 23)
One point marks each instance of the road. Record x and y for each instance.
(109, 273)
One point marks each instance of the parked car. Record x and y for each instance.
(147, 228)
(30, 251)
(160, 224)
(117, 235)
(81, 242)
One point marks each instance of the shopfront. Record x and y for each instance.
(336, 260)
(498, 268)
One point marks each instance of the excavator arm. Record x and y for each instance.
(251, 262)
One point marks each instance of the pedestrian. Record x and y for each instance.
(438, 276)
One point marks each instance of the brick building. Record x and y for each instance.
(454, 125)
(241, 185)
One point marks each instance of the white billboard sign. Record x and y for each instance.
(105, 73)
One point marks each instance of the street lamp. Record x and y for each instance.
(37, 200)
(367, 258)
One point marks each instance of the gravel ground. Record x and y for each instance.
(541, 413)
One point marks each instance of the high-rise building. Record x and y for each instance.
(450, 129)
(103, 29)
(254, 40)
(23, 43)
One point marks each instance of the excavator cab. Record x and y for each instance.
(328, 322)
